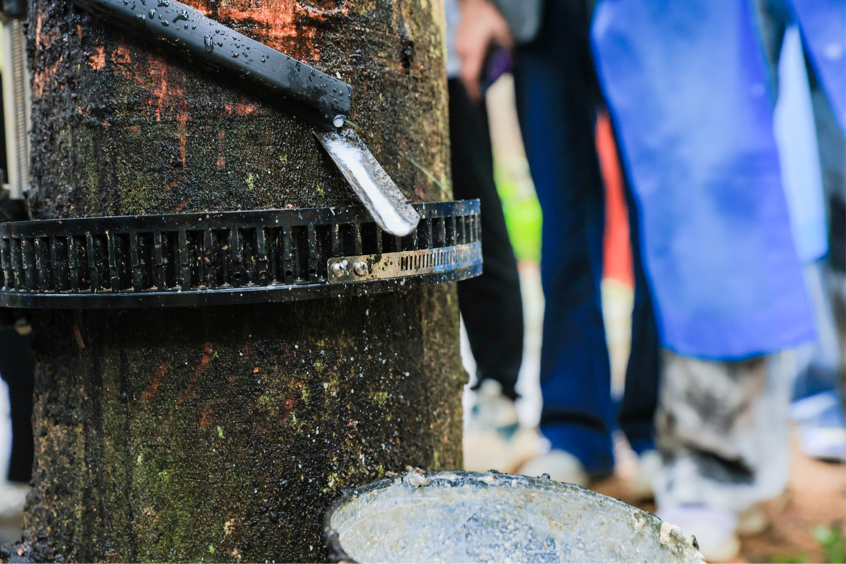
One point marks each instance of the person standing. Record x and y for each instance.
(491, 304)
(690, 93)
(557, 100)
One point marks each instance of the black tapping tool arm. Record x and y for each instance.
(302, 90)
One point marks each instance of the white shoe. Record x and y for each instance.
(822, 433)
(752, 521)
(12, 500)
(493, 410)
(559, 465)
(648, 467)
(493, 437)
(713, 528)
(823, 443)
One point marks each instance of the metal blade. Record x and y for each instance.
(391, 210)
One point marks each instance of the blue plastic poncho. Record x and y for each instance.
(686, 84)
(823, 24)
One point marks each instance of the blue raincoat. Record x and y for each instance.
(687, 86)
(823, 24)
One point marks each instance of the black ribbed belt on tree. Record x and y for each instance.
(231, 257)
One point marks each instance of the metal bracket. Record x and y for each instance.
(400, 265)
(230, 257)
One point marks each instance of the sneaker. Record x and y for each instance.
(559, 465)
(752, 521)
(713, 528)
(822, 426)
(494, 411)
(493, 437)
(648, 466)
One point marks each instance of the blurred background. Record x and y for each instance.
(808, 521)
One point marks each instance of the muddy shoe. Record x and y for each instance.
(822, 426)
(648, 467)
(713, 528)
(493, 411)
(493, 437)
(752, 521)
(559, 465)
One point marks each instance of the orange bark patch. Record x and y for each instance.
(158, 75)
(240, 109)
(221, 156)
(45, 36)
(120, 56)
(158, 378)
(39, 24)
(285, 25)
(98, 60)
(166, 97)
(180, 205)
(42, 78)
(208, 354)
(78, 336)
(182, 118)
(205, 420)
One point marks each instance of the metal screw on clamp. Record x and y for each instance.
(339, 269)
(360, 268)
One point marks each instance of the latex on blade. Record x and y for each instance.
(390, 209)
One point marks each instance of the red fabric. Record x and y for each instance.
(617, 259)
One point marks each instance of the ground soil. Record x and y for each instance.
(815, 496)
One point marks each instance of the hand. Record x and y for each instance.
(481, 25)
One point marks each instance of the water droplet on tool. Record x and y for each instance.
(163, 3)
(339, 120)
(208, 43)
(164, 23)
(234, 55)
(140, 17)
(151, 14)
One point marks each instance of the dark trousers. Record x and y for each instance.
(17, 365)
(490, 304)
(557, 98)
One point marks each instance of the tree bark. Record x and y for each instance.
(224, 433)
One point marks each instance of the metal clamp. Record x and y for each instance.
(231, 257)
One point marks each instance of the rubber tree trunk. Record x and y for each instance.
(224, 433)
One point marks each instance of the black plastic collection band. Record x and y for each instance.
(228, 257)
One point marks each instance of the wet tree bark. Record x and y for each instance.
(223, 433)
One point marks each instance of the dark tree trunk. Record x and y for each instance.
(223, 433)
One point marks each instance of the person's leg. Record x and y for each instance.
(636, 414)
(555, 106)
(723, 433)
(17, 365)
(832, 143)
(490, 304)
